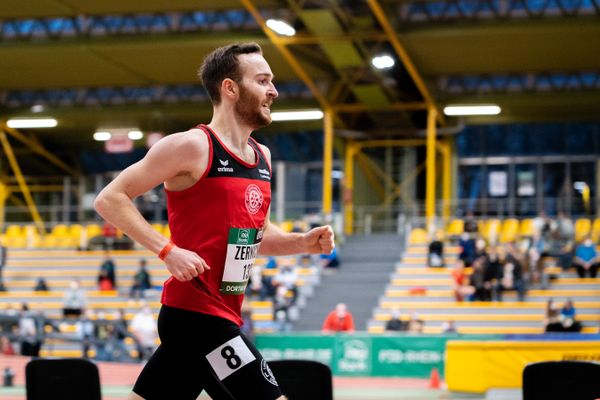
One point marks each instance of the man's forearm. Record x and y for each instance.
(276, 242)
(119, 210)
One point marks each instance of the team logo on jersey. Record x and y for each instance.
(264, 173)
(225, 167)
(267, 373)
(254, 199)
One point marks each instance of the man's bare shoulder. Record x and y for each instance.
(266, 151)
(190, 142)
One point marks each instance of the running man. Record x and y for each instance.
(217, 181)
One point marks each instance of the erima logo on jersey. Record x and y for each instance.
(224, 167)
(264, 173)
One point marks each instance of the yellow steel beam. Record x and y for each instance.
(36, 147)
(430, 177)
(302, 39)
(287, 54)
(391, 142)
(356, 107)
(348, 196)
(39, 188)
(327, 162)
(446, 179)
(403, 54)
(4, 193)
(405, 182)
(22, 184)
(380, 172)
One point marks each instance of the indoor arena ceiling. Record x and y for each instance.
(115, 63)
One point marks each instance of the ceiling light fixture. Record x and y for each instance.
(383, 62)
(280, 27)
(102, 136)
(135, 134)
(479, 109)
(37, 108)
(300, 115)
(32, 123)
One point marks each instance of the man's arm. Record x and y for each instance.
(178, 160)
(277, 242)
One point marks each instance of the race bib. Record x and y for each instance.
(229, 357)
(242, 248)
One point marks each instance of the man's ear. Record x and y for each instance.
(229, 88)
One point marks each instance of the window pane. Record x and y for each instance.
(580, 139)
(551, 139)
(583, 178)
(555, 186)
(469, 142)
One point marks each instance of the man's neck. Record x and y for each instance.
(230, 129)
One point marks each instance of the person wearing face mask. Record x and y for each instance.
(586, 259)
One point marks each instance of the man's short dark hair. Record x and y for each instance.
(223, 63)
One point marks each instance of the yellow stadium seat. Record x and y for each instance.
(583, 227)
(527, 227)
(14, 231)
(92, 230)
(167, 231)
(491, 229)
(509, 230)
(596, 231)
(456, 227)
(419, 236)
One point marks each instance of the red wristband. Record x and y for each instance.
(166, 250)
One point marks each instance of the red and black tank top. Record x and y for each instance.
(221, 218)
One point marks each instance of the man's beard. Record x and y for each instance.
(249, 109)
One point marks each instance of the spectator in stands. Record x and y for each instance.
(103, 335)
(41, 285)
(586, 259)
(568, 317)
(108, 269)
(395, 323)
(435, 257)
(338, 320)
(538, 250)
(470, 225)
(74, 300)
(85, 330)
(287, 278)
(104, 282)
(109, 234)
(141, 281)
(566, 256)
(449, 327)
(121, 332)
(144, 329)
(9, 318)
(415, 324)
(6, 347)
(3, 256)
(482, 288)
(331, 261)
(552, 317)
(543, 225)
(467, 249)
(459, 281)
(565, 230)
(29, 334)
(492, 269)
(512, 277)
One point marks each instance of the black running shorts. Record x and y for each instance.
(203, 352)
